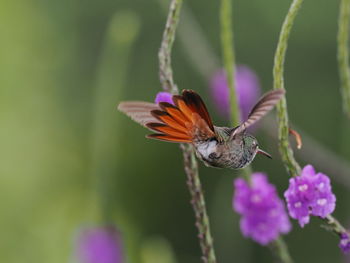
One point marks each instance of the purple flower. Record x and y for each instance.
(164, 97)
(99, 245)
(344, 243)
(247, 90)
(263, 214)
(309, 194)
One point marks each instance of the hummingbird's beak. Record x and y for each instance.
(264, 153)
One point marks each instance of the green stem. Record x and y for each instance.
(164, 55)
(334, 225)
(281, 250)
(190, 162)
(343, 54)
(228, 56)
(229, 64)
(286, 151)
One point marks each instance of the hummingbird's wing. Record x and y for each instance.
(261, 108)
(186, 121)
(139, 111)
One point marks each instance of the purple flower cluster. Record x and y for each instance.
(344, 243)
(164, 96)
(247, 90)
(309, 194)
(263, 214)
(100, 245)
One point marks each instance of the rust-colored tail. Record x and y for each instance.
(186, 121)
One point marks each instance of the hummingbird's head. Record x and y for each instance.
(251, 147)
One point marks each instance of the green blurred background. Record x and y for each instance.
(69, 159)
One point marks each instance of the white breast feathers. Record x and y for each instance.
(206, 148)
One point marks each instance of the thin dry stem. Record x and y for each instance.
(190, 162)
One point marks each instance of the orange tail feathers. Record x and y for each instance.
(173, 127)
(185, 121)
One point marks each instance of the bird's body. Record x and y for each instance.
(188, 121)
(225, 152)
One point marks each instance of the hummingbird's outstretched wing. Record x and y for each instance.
(139, 111)
(261, 108)
(186, 121)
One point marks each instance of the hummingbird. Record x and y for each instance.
(187, 120)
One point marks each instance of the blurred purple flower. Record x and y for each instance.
(100, 245)
(264, 216)
(344, 243)
(309, 194)
(164, 96)
(247, 90)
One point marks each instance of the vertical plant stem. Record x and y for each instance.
(229, 64)
(164, 55)
(198, 204)
(343, 53)
(190, 162)
(228, 56)
(286, 151)
(281, 250)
